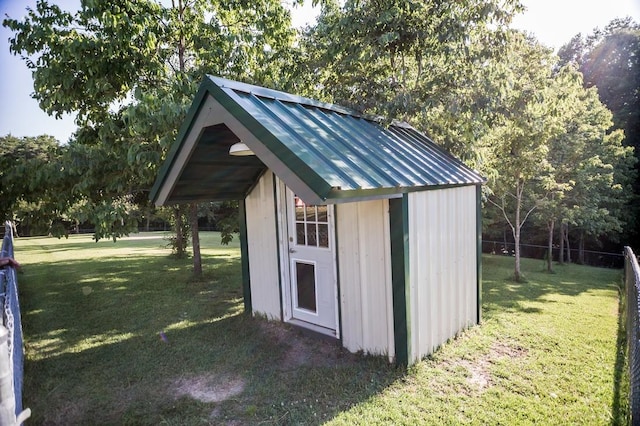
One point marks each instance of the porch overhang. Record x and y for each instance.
(325, 153)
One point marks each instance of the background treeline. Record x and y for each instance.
(556, 135)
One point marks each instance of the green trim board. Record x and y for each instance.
(326, 153)
(186, 126)
(229, 99)
(277, 215)
(244, 259)
(479, 251)
(399, 230)
(338, 195)
(336, 260)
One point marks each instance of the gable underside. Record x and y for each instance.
(212, 174)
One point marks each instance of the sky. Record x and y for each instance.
(552, 22)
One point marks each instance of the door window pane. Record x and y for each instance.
(312, 239)
(300, 234)
(306, 286)
(322, 214)
(323, 235)
(311, 213)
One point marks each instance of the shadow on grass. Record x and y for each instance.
(501, 293)
(95, 354)
(145, 240)
(81, 242)
(620, 404)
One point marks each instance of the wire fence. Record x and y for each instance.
(11, 348)
(632, 285)
(590, 257)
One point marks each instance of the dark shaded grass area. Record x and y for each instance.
(96, 356)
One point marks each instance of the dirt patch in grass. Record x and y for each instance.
(299, 349)
(209, 387)
(479, 378)
(303, 349)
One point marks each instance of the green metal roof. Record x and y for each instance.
(329, 153)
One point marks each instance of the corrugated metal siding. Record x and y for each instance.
(364, 263)
(443, 266)
(263, 249)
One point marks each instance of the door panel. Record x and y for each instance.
(311, 262)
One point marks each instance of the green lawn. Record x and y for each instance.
(546, 353)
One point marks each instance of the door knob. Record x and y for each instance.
(291, 250)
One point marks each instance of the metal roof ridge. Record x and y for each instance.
(401, 123)
(281, 96)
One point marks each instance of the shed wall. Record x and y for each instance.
(263, 248)
(442, 266)
(364, 265)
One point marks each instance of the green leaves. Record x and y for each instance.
(86, 61)
(28, 166)
(424, 62)
(129, 69)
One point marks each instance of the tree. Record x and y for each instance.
(31, 176)
(588, 166)
(518, 143)
(129, 69)
(602, 190)
(609, 61)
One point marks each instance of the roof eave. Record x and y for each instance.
(338, 195)
(185, 128)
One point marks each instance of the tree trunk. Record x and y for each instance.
(517, 275)
(180, 246)
(581, 248)
(566, 240)
(193, 208)
(561, 250)
(550, 226)
(195, 240)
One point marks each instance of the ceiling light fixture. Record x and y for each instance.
(239, 149)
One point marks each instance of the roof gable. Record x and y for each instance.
(325, 153)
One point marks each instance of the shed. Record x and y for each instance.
(367, 233)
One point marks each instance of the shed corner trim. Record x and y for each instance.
(399, 230)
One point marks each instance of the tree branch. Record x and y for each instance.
(527, 215)
(502, 209)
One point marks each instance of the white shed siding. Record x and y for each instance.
(443, 266)
(263, 248)
(364, 263)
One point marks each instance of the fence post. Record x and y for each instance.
(7, 397)
(632, 284)
(11, 352)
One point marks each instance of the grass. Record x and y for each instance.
(548, 351)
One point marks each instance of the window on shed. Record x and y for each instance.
(312, 224)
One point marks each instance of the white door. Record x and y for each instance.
(312, 292)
